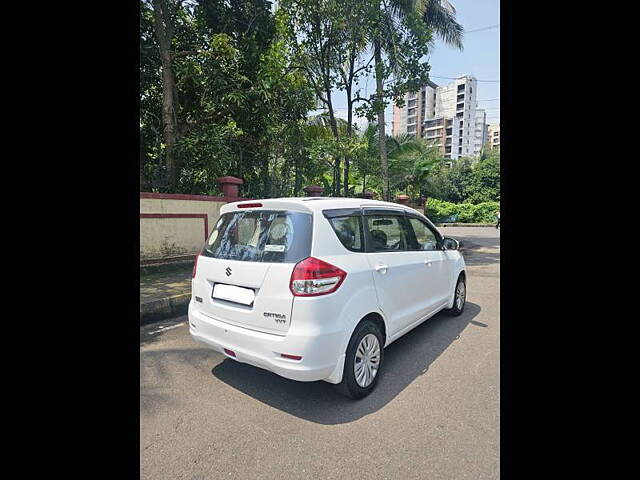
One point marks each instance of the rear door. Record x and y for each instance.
(397, 272)
(243, 272)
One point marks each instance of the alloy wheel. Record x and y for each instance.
(460, 295)
(367, 360)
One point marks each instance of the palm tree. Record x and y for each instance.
(320, 125)
(439, 16)
(410, 160)
(319, 128)
(370, 138)
(416, 156)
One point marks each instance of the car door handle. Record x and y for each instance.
(427, 262)
(381, 268)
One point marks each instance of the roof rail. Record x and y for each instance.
(377, 205)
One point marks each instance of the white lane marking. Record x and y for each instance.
(162, 329)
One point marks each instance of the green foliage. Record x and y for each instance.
(484, 184)
(366, 171)
(467, 180)
(439, 211)
(241, 108)
(411, 163)
(405, 40)
(246, 76)
(451, 183)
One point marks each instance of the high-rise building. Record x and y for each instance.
(493, 135)
(446, 116)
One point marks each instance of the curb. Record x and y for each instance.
(166, 267)
(466, 225)
(164, 308)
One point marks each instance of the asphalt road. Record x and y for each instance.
(433, 415)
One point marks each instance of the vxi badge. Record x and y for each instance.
(278, 317)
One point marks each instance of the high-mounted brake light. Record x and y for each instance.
(195, 267)
(312, 277)
(249, 205)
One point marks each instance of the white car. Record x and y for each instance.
(315, 288)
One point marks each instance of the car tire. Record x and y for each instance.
(363, 336)
(460, 291)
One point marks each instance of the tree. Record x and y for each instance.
(226, 86)
(326, 150)
(163, 25)
(316, 33)
(150, 100)
(356, 31)
(467, 180)
(232, 93)
(239, 106)
(380, 105)
(402, 39)
(411, 161)
(451, 183)
(436, 15)
(366, 163)
(417, 161)
(440, 16)
(484, 182)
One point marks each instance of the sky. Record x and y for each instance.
(480, 57)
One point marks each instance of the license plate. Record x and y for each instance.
(231, 293)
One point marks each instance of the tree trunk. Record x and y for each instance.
(144, 184)
(266, 184)
(333, 123)
(297, 186)
(297, 183)
(384, 164)
(349, 134)
(161, 20)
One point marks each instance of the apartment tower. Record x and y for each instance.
(447, 117)
(493, 135)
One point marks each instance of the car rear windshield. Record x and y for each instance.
(261, 236)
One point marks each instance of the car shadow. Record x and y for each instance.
(405, 360)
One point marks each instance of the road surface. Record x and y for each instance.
(433, 415)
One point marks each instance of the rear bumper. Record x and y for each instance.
(321, 358)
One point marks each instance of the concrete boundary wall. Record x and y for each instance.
(174, 227)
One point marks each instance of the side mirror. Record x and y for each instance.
(450, 243)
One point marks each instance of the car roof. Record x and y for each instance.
(317, 204)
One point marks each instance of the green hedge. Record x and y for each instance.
(440, 212)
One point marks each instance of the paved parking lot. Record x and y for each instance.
(434, 413)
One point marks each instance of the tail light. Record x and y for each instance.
(249, 205)
(195, 267)
(312, 277)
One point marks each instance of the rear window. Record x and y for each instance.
(261, 236)
(349, 232)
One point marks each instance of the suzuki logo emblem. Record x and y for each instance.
(228, 271)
